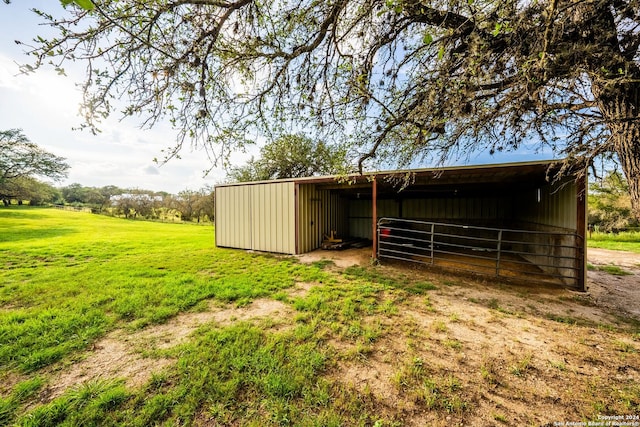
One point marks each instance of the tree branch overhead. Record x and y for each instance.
(396, 81)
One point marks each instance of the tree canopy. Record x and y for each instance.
(609, 203)
(291, 156)
(22, 160)
(398, 80)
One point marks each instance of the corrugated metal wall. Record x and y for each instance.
(233, 217)
(450, 209)
(439, 209)
(551, 206)
(360, 214)
(319, 212)
(259, 217)
(273, 225)
(554, 208)
(360, 218)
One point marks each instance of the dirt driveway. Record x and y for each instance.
(618, 293)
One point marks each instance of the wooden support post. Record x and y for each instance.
(374, 217)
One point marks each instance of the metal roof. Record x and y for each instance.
(446, 175)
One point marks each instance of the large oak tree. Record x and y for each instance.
(291, 156)
(21, 161)
(395, 79)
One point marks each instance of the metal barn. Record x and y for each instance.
(503, 220)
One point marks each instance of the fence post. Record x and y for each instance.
(374, 218)
(498, 255)
(432, 232)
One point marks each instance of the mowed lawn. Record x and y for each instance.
(628, 241)
(70, 277)
(370, 346)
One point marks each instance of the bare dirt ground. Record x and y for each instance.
(618, 293)
(342, 259)
(520, 355)
(471, 352)
(125, 354)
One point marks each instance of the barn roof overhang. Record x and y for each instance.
(466, 180)
(414, 180)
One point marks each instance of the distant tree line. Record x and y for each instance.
(22, 162)
(187, 205)
(610, 204)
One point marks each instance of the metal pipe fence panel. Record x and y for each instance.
(502, 252)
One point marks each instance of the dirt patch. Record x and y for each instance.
(341, 258)
(606, 256)
(301, 289)
(617, 294)
(462, 359)
(121, 354)
(621, 294)
(470, 352)
(477, 353)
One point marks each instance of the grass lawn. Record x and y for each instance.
(370, 346)
(625, 241)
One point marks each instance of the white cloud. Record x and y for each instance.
(45, 105)
(8, 70)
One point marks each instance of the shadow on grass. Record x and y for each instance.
(16, 234)
(16, 212)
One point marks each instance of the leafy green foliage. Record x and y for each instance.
(398, 82)
(29, 189)
(21, 161)
(84, 4)
(610, 204)
(194, 204)
(292, 156)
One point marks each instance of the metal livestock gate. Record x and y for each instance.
(501, 252)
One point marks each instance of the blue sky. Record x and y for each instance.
(45, 106)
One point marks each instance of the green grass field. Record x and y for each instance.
(68, 278)
(625, 241)
(71, 279)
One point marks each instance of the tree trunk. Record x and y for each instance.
(620, 106)
(615, 85)
(627, 146)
